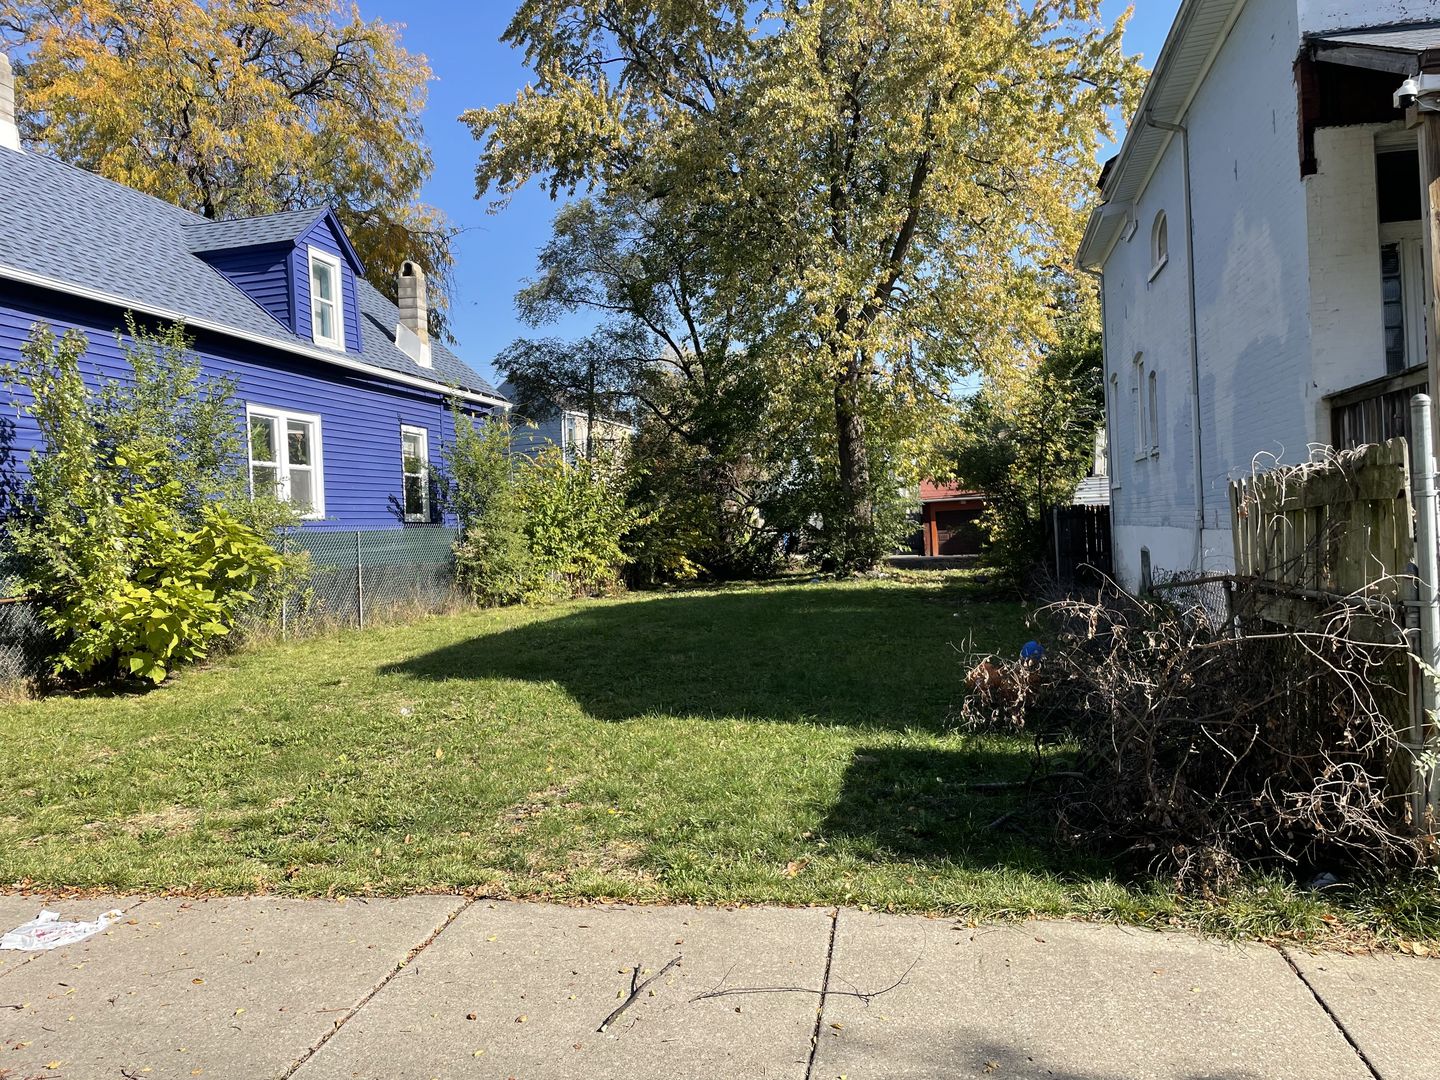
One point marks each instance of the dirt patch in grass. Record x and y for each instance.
(169, 821)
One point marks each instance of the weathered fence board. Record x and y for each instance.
(1080, 538)
(1340, 527)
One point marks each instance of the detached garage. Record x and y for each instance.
(950, 520)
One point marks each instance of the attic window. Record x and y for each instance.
(327, 315)
(1159, 244)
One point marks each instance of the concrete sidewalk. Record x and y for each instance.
(444, 987)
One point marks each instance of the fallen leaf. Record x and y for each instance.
(471, 1016)
(521, 1018)
(197, 982)
(439, 754)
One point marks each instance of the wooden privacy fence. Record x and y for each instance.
(1081, 542)
(1338, 527)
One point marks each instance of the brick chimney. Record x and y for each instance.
(9, 133)
(412, 335)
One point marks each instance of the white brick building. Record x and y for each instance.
(1264, 262)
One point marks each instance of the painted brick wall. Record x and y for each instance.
(360, 416)
(1345, 300)
(1151, 318)
(1256, 394)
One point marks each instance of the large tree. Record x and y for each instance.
(665, 353)
(881, 188)
(234, 108)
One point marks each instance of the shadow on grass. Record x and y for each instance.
(876, 657)
(905, 804)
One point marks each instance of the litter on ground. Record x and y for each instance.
(46, 931)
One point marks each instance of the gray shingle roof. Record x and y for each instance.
(94, 235)
(206, 235)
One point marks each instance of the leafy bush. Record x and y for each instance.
(134, 534)
(532, 530)
(575, 515)
(492, 556)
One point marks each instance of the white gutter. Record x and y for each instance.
(324, 356)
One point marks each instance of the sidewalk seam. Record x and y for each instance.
(409, 959)
(824, 992)
(1340, 1027)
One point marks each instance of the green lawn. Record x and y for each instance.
(784, 743)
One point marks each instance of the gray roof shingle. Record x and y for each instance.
(91, 234)
(285, 227)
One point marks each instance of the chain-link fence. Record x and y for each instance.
(334, 579)
(355, 578)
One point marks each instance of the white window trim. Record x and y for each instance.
(1137, 407)
(424, 434)
(326, 259)
(1414, 276)
(1152, 410)
(1159, 259)
(282, 452)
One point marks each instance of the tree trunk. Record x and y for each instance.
(855, 487)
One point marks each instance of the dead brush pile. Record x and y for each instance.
(1205, 752)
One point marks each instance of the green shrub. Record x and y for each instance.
(575, 515)
(134, 534)
(492, 556)
(532, 530)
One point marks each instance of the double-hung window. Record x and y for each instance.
(415, 470)
(327, 312)
(285, 458)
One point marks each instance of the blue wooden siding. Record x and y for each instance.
(322, 236)
(360, 416)
(261, 273)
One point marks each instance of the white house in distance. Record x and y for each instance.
(568, 430)
(1265, 257)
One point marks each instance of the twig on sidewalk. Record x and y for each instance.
(635, 993)
(864, 995)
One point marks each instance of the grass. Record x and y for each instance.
(786, 743)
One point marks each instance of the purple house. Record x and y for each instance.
(347, 397)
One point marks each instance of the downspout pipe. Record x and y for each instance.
(1110, 442)
(1199, 449)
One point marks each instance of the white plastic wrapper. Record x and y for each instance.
(46, 931)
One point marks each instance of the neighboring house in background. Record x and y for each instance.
(1269, 135)
(347, 399)
(567, 429)
(1094, 490)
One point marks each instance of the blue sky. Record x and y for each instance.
(472, 68)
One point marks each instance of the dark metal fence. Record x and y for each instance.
(336, 579)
